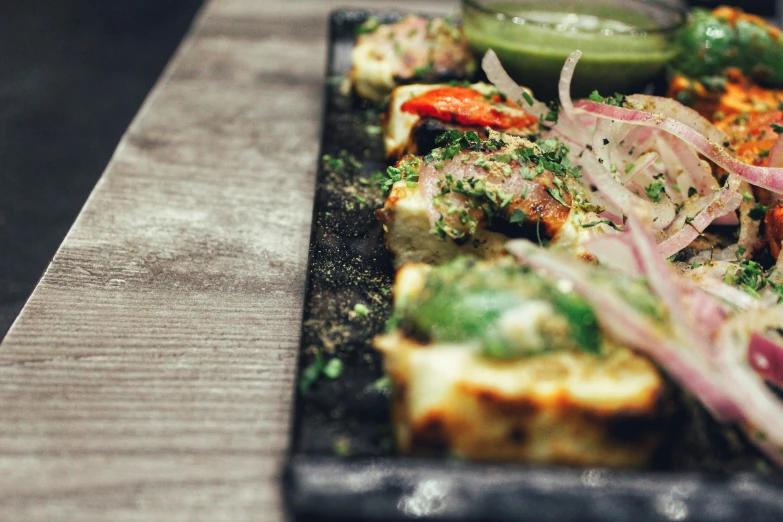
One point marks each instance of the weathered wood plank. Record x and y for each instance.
(150, 375)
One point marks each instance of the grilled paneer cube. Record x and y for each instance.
(406, 219)
(418, 114)
(474, 194)
(490, 361)
(415, 49)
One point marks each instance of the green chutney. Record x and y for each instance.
(620, 51)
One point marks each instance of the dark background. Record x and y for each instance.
(73, 73)
(764, 8)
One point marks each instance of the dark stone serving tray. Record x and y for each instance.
(342, 464)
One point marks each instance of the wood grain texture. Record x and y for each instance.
(150, 375)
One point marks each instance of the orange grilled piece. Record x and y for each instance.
(465, 106)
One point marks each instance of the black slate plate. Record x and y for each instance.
(342, 465)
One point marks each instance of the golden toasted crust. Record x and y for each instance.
(449, 399)
(407, 226)
(556, 407)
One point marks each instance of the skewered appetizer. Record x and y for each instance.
(492, 361)
(474, 194)
(419, 114)
(415, 49)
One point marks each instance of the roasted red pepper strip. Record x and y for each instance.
(465, 106)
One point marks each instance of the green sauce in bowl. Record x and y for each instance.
(624, 43)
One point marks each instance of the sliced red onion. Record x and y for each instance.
(626, 325)
(698, 170)
(749, 229)
(762, 410)
(511, 89)
(675, 110)
(729, 219)
(615, 251)
(707, 311)
(729, 294)
(766, 357)
(608, 133)
(659, 215)
(726, 200)
(564, 85)
(765, 177)
(641, 164)
(678, 241)
(661, 281)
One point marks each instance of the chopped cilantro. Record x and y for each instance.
(334, 368)
(777, 128)
(557, 194)
(617, 100)
(331, 369)
(759, 211)
(692, 191)
(601, 222)
(361, 309)
(454, 141)
(655, 189)
(749, 276)
(518, 216)
(407, 169)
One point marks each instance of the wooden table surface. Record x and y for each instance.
(149, 377)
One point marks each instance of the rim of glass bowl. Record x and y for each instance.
(679, 13)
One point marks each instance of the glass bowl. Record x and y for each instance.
(625, 43)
